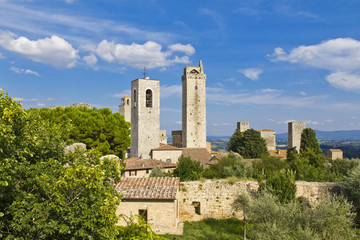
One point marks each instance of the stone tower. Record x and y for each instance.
(125, 108)
(243, 126)
(194, 107)
(294, 134)
(145, 117)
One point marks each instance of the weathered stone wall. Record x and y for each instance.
(163, 215)
(216, 197)
(194, 107)
(294, 134)
(163, 137)
(243, 126)
(164, 155)
(145, 121)
(269, 137)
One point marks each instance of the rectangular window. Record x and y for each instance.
(144, 214)
(132, 173)
(147, 171)
(196, 207)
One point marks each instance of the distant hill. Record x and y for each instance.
(329, 135)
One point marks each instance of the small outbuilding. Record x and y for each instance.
(334, 154)
(155, 199)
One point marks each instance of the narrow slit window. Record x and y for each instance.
(144, 214)
(148, 98)
(134, 97)
(196, 88)
(196, 207)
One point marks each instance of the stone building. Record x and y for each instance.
(125, 108)
(167, 153)
(155, 199)
(295, 130)
(163, 137)
(136, 167)
(269, 136)
(177, 138)
(243, 126)
(334, 154)
(194, 107)
(145, 117)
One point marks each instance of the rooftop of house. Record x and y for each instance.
(166, 147)
(199, 154)
(335, 150)
(266, 130)
(149, 188)
(139, 164)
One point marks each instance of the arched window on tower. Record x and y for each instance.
(134, 98)
(127, 101)
(148, 98)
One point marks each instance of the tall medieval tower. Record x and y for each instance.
(295, 130)
(145, 117)
(194, 107)
(125, 108)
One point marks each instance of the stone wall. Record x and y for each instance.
(164, 155)
(294, 134)
(215, 198)
(161, 214)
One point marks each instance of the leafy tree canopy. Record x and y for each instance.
(310, 148)
(248, 144)
(187, 169)
(97, 128)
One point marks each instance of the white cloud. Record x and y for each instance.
(169, 91)
(302, 93)
(341, 56)
(344, 80)
(178, 122)
(121, 94)
(252, 73)
(90, 60)
(1, 56)
(187, 49)
(23, 71)
(148, 55)
(54, 50)
(69, 1)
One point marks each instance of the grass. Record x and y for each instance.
(211, 229)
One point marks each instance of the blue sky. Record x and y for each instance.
(267, 62)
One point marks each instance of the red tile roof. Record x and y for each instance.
(198, 154)
(166, 147)
(149, 188)
(137, 164)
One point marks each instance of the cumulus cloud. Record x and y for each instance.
(341, 56)
(344, 80)
(187, 49)
(54, 50)
(23, 71)
(149, 55)
(252, 73)
(90, 60)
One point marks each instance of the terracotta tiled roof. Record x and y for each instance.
(166, 147)
(149, 188)
(266, 130)
(199, 154)
(138, 164)
(335, 150)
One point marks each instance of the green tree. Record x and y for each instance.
(310, 148)
(97, 128)
(187, 169)
(351, 189)
(282, 185)
(248, 144)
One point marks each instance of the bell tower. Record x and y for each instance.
(194, 107)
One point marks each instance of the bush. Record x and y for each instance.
(187, 169)
(248, 144)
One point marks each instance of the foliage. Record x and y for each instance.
(332, 218)
(310, 148)
(230, 166)
(351, 190)
(160, 172)
(136, 229)
(282, 185)
(248, 144)
(97, 128)
(45, 194)
(187, 169)
(210, 229)
(267, 166)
